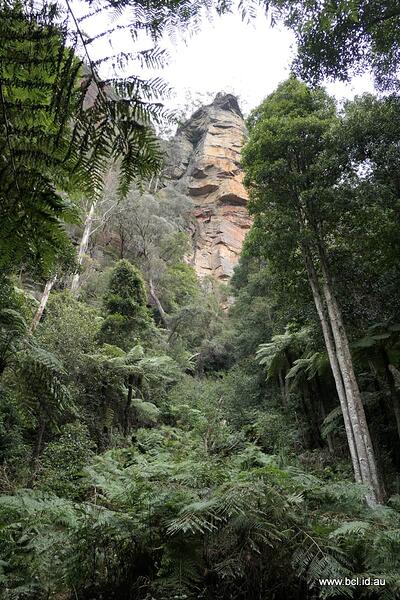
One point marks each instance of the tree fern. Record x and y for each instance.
(13, 336)
(53, 138)
(351, 528)
(332, 422)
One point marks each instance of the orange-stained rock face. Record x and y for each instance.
(204, 162)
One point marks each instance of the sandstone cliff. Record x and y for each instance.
(203, 162)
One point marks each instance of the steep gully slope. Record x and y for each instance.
(203, 162)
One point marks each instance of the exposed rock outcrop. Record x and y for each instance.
(203, 161)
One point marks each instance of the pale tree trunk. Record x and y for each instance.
(367, 460)
(75, 280)
(360, 445)
(366, 453)
(156, 300)
(43, 302)
(330, 346)
(83, 246)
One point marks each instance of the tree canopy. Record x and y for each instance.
(339, 39)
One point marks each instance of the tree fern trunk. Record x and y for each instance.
(324, 412)
(283, 388)
(311, 415)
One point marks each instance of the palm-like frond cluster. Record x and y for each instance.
(38, 96)
(61, 127)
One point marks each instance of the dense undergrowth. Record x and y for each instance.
(206, 486)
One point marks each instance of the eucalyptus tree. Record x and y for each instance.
(368, 142)
(340, 39)
(293, 197)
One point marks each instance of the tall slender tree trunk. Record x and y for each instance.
(337, 344)
(43, 301)
(365, 450)
(83, 246)
(330, 347)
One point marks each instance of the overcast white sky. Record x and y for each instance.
(227, 54)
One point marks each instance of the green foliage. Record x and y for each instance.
(164, 463)
(197, 323)
(332, 422)
(15, 452)
(126, 290)
(62, 126)
(224, 525)
(290, 182)
(69, 329)
(33, 378)
(42, 384)
(15, 312)
(178, 286)
(273, 432)
(124, 389)
(322, 197)
(13, 330)
(340, 39)
(37, 99)
(147, 412)
(62, 462)
(282, 161)
(125, 304)
(275, 355)
(252, 310)
(152, 231)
